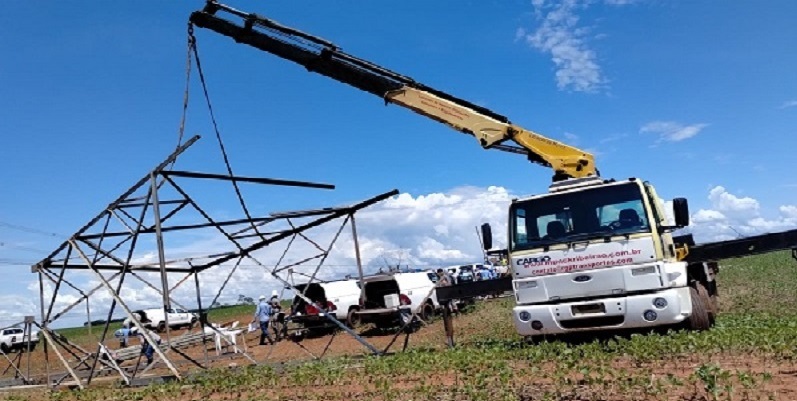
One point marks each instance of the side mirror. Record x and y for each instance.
(487, 236)
(680, 209)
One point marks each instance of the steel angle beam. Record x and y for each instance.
(178, 228)
(474, 289)
(121, 199)
(254, 180)
(306, 213)
(742, 247)
(129, 268)
(262, 244)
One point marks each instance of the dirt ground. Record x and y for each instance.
(548, 383)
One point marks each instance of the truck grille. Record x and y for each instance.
(592, 322)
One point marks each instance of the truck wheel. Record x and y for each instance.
(161, 327)
(699, 319)
(427, 312)
(4, 348)
(710, 303)
(353, 319)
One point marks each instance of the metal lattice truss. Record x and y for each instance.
(108, 249)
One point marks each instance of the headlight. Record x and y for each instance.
(660, 303)
(650, 315)
(524, 316)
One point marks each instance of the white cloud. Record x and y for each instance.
(732, 205)
(707, 216)
(671, 131)
(560, 36)
(426, 230)
(789, 211)
(789, 103)
(15, 308)
(732, 216)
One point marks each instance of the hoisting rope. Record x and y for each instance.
(188, 63)
(192, 49)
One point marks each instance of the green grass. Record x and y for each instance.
(742, 357)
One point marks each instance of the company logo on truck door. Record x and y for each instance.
(593, 256)
(525, 262)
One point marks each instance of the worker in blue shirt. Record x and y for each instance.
(148, 349)
(123, 334)
(262, 315)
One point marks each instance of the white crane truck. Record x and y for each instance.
(590, 254)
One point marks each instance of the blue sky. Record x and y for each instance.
(697, 98)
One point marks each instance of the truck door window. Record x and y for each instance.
(611, 213)
(576, 216)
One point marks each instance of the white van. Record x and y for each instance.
(336, 297)
(389, 299)
(416, 286)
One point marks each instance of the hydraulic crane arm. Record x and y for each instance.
(323, 57)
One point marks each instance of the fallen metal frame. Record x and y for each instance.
(98, 248)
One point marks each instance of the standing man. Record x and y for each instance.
(277, 317)
(146, 348)
(123, 334)
(445, 280)
(262, 315)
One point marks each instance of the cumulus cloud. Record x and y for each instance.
(671, 131)
(560, 36)
(15, 308)
(731, 216)
(419, 230)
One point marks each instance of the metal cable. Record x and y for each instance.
(186, 93)
(192, 43)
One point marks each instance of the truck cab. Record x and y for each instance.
(597, 254)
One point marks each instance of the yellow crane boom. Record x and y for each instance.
(492, 130)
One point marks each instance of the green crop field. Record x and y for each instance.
(751, 354)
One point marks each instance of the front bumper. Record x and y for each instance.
(626, 312)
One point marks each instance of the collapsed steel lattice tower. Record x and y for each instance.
(152, 208)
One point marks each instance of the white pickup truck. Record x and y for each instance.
(14, 338)
(156, 318)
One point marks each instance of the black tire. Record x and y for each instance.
(161, 327)
(427, 312)
(4, 348)
(710, 303)
(699, 320)
(353, 319)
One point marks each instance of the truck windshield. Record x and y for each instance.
(586, 214)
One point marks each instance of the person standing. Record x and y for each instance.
(123, 335)
(146, 348)
(445, 280)
(263, 315)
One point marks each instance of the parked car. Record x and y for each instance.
(15, 338)
(462, 273)
(155, 318)
(336, 297)
(390, 299)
